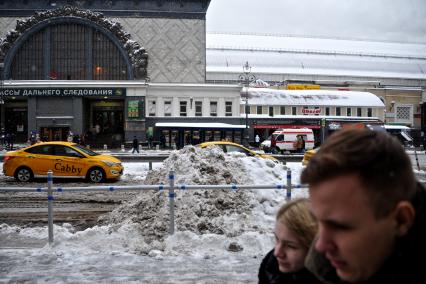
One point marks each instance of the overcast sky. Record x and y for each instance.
(382, 20)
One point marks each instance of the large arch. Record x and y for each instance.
(32, 40)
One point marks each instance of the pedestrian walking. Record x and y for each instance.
(163, 141)
(150, 140)
(135, 145)
(299, 144)
(382, 237)
(295, 229)
(257, 140)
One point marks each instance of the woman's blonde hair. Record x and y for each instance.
(295, 215)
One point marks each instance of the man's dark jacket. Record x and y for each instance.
(135, 143)
(406, 265)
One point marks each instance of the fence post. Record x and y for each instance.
(288, 194)
(172, 202)
(417, 159)
(49, 205)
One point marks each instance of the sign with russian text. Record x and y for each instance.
(133, 109)
(64, 92)
(311, 111)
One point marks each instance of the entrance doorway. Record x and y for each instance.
(106, 124)
(54, 133)
(16, 121)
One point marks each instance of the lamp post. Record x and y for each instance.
(245, 78)
(1, 95)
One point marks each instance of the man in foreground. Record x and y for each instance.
(369, 208)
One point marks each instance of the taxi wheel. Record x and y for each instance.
(96, 175)
(24, 174)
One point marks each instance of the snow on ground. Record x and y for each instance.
(220, 235)
(200, 212)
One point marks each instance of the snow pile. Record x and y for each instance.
(193, 165)
(203, 212)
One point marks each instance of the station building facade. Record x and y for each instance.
(85, 68)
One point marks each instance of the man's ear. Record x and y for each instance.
(404, 217)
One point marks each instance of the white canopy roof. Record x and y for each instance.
(264, 96)
(212, 125)
(400, 127)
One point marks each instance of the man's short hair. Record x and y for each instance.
(377, 158)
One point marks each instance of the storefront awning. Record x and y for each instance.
(201, 125)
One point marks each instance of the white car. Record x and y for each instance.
(265, 145)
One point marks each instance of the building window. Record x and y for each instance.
(70, 55)
(167, 108)
(293, 111)
(403, 113)
(359, 111)
(198, 108)
(327, 111)
(228, 108)
(338, 111)
(282, 110)
(183, 108)
(259, 109)
(369, 112)
(213, 108)
(271, 111)
(151, 108)
(348, 111)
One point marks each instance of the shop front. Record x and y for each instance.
(179, 134)
(93, 116)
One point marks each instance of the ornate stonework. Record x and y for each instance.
(177, 47)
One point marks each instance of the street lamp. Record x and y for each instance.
(245, 78)
(1, 93)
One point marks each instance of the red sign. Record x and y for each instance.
(53, 75)
(311, 111)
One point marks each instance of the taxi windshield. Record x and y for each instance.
(85, 150)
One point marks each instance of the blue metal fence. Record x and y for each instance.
(171, 187)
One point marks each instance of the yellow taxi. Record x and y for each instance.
(308, 155)
(65, 159)
(234, 147)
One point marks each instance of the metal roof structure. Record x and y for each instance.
(265, 96)
(294, 57)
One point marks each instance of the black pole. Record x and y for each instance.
(245, 78)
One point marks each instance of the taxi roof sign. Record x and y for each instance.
(303, 87)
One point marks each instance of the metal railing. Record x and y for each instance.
(171, 187)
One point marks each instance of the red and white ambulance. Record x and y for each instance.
(285, 139)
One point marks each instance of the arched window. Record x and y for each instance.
(69, 49)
